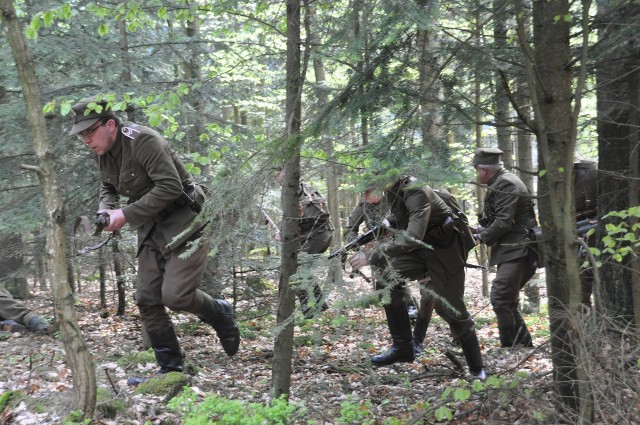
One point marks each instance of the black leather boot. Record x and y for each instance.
(400, 327)
(471, 350)
(169, 356)
(507, 334)
(522, 336)
(423, 319)
(219, 314)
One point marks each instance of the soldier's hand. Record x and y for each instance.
(358, 261)
(476, 229)
(116, 219)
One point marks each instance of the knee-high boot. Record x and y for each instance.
(166, 348)
(423, 320)
(400, 328)
(471, 350)
(219, 314)
(507, 334)
(522, 335)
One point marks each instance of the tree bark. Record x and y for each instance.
(617, 76)
(550, 75)
(283, 344)
(322, 93)
(77, 355)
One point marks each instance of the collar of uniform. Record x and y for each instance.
(496, 176)
(117, 146)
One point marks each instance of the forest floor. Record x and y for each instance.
(332, 376)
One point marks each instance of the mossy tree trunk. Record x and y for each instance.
(77, 355)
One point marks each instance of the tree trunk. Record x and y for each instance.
(102, 278)
(556, 130)
(12, 266)
(524, 161)
(501, 101)
(283, 344)
(617, 76)
(482, 250)
(121, 283)
(360, 32)
(77, 355)
(322, 93)
(429, 89)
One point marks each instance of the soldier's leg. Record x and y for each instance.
(10, 308)
(407, 266)
(451, 288)
(425, 312)
(316, 243)
(505, 290)
(182, 277)
(522, 335)
(155, 318)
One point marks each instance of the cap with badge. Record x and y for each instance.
(486, 156)
(87, 112)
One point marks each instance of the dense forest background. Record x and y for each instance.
(329, 89)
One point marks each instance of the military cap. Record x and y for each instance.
(87, 112)
(486, 156)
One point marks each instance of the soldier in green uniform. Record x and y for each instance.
(504, 225)
(371, 211)
(163, 205)
(15, 315)
(421, 217)
(316, 235)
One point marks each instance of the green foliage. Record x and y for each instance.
(352, 412)
(621, 239)
(219, 410)
(75, 417)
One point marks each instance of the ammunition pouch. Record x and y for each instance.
(442, 234)
(535, 246)
(193, 195)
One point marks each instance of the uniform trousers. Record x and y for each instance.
(449, 287)
(505, 290)
(167, 280)
(12, 309)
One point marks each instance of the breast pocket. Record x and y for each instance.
(134, 183)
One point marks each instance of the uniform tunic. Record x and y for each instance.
(509, 208)
(142, 167)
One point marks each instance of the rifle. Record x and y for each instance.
(271, 223)
(358, 241)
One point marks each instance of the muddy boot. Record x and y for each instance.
(219, 314)
(471, 350)
(169, 356)
(400, 327)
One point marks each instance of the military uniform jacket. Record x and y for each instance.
(142, 166)
(419, 213)
(513, 216)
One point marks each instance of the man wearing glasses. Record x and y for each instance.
(163, 205)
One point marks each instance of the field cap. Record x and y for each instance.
(486, 156)
(87, 112)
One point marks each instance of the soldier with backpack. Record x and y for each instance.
(421, 218)
(316, 235)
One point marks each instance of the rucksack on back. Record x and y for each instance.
(462, 223)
